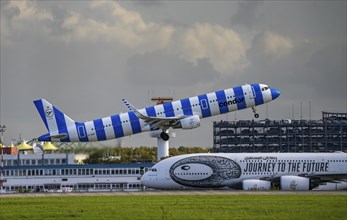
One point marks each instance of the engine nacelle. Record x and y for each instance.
(190, 122)
(332, 186)
(256, 185)
(295, 183)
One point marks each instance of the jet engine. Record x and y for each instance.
(295, 183)
(190, 122)
(256, 185)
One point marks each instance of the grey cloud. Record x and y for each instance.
(88, 78)
(326, 69)
(308, 67)
(164, 69)
(309, 71)
(148, 3)
(56, 25)
(247, 13)
(305, 19)
(10, 12)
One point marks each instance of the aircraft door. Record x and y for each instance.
(204, 104)
(81, 132)
(251, 91)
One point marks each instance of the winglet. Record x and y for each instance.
(133, 109)
(129, 106)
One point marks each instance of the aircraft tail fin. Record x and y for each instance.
(55, 120)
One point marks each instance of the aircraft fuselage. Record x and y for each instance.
(63, 129)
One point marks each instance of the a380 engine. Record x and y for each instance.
(190, 122)
(287, 183)
(256, 185)
(295, 183)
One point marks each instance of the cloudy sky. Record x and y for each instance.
(85, 56)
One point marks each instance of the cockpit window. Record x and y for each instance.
(154, 170)
(265, 88)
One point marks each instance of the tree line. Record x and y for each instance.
(134, 154)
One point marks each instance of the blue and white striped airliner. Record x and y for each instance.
(184, 114)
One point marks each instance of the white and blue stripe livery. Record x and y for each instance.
(185, 114)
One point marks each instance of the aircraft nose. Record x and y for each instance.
(275, 93)
(145, 181)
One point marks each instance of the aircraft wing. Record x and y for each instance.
(323, 178)
(155, 122)
(316, 179)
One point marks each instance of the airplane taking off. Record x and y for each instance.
(184, 114)
(249, 171)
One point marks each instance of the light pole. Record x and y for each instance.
(2, 131)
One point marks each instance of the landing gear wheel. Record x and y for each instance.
(256, 115)
(164, 136)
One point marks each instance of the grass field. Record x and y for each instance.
(175, 207)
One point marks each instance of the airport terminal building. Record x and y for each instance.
(328, 134)
(58, 172)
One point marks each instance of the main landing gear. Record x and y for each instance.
(256, 115)
(165, 136)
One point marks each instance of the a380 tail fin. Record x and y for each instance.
(56, 122)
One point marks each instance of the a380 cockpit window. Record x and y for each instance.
(154, 170)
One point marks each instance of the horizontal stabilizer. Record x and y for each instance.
(49, 137)
(59, 136)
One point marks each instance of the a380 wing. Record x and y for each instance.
(317, 179)
(323, 178)
(155, 122)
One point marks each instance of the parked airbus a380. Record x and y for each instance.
(184, 114)
(250, 171)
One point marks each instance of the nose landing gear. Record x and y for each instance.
(256, 115)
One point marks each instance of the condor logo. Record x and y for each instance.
(231, 102)
(49, 112)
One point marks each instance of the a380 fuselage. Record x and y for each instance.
(216, 170)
